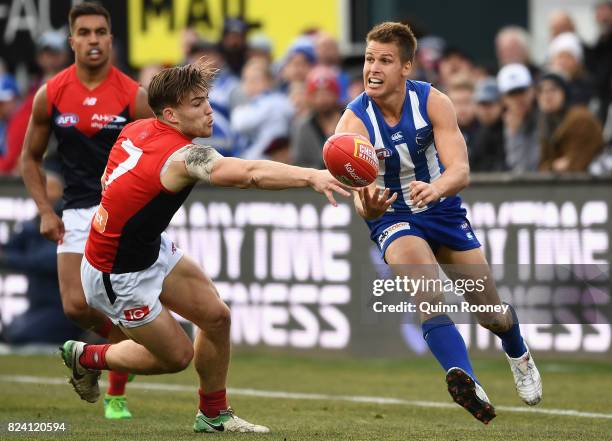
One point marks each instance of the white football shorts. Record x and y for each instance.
(77, 222)
(130, 299)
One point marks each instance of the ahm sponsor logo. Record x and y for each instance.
(99, 117)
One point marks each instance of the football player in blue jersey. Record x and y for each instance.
(415, 216)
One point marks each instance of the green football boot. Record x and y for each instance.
(115, 407)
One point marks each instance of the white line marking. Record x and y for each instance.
(308, 396)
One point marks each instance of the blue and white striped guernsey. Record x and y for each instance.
(407, 151)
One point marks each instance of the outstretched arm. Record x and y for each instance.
(204, 163)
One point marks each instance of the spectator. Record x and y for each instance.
(570, 136)
(461, 93)
(300, 58)
(233, 45)
(328, 54)
(298, 100)
(453, 64)
(521, 140)
(221, 96)
(429, 52)
(51, 56)
(147, 73)
(487, 153)
(310, 133)
(28, 252)
(599, 62)
(8, 104)
(260, 46)
(566, 57)
(559, 22)
(512, 47)
(262, 123)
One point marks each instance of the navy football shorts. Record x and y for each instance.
(444, 224)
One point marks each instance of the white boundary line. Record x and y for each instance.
(308, 396)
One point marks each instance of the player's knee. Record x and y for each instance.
(219, 319)
(179, 360)
(77, 310)
(494, 322)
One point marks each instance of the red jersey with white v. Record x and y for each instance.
(135, 207)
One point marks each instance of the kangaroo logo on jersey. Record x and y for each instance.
(67, 120)
(424, 136)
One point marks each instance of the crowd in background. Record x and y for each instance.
(519, 117)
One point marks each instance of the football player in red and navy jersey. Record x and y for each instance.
(135, 275)
(85, 106)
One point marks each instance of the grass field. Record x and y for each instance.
(164, 406)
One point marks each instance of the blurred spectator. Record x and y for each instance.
(455, 63)
(428, 55)
(461, 93)
(262, 123)
(233, 44)
(8, 104)
(512, 47)
(599, 62)
(310, 133)
(300, 58)
(328, 54)
(487, 153)
(147, 73)
(298, 99)
(220, 96)
(521, 139)
(355, 87)
(559, 22)
(51, 56)
(566, 56)
(28, 252)
(260, 46)
(570, 136)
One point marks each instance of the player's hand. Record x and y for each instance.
(374, 202)
(52, 227)
(323, 182)
(422, 193)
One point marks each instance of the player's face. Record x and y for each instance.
(91, 41)
(194, 117)
(383, 70)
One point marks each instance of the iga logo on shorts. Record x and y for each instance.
(67, 120)
(389, 231)
(136, 314)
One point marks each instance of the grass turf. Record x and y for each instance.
(168, 415)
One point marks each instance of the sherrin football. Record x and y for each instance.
(351, 159)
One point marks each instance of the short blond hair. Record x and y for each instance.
(398, 33)
(169, 87)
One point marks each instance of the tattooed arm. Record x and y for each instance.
(204, 163)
